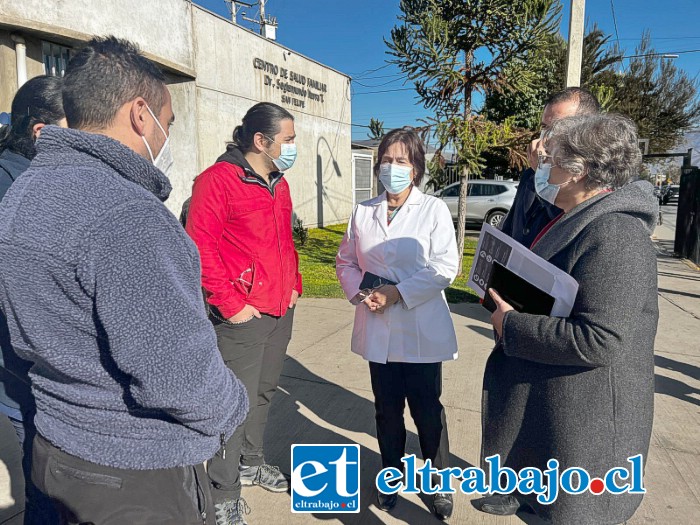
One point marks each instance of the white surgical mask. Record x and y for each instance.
(288, 154)
(395, 178)
(164, 161)
(543, 187)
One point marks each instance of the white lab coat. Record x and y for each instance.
(418, 251)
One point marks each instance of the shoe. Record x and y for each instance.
(232, 512)
(499, 504)
(265, 476)
(443, 505)
(386, 502)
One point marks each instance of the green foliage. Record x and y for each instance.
(451, 49)
(376, 129)
(547, 65)
(659, 97)
(317, 265)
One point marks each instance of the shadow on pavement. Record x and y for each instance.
(308, 409)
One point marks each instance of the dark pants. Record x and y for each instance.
(87, 493)
(38, 509)
(421, 385)
(255, 352)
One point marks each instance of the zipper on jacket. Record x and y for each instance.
(279, 249)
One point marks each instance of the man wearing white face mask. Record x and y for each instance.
(396, 259)
(100, 287)
(240, 217)
(530, 212)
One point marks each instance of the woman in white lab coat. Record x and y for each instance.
(404, 330)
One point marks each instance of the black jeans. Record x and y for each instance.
(255, 352)
(87, 493)
(421, 385)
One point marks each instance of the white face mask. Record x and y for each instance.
(394, 177)
(543, 187)
(164, 161)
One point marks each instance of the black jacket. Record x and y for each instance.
(15, 393)
(12, 165)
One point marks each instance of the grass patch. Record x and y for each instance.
(317, 265)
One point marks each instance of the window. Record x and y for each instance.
(362, 176)
(451, 192)
(486, 190)
(55, 58)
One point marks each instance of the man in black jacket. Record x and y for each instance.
(529, 213)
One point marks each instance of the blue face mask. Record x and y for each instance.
(543, 187)
(288, 154)
(395, 178)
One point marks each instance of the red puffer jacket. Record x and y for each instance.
(243, 229)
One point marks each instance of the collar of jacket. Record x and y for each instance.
(635, 199)
(415, 197)
(235, 156)
(62, 146)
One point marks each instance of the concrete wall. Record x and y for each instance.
(192, 42)
(228, 83)
(162, 28)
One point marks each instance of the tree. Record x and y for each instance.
(376, 129)
(547, 64)
(451, 49)
(660, 98)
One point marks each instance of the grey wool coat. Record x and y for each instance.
(581, 389)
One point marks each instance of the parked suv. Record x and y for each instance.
(487, 200)
(669, 194)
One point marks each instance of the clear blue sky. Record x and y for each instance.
(348, 36)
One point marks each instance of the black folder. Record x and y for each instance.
(522, 295)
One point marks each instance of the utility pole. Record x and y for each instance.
(268, 25)
(574, 53)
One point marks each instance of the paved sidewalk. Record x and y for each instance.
(325, 397)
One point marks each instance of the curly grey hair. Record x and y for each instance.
(604, 147)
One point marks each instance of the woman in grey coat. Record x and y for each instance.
(581, 389)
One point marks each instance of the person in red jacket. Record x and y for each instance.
(240, 217)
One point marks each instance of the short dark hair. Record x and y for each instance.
(586, 103)
(38, 101)
(264, 118)
(103, 76)
(414, 147)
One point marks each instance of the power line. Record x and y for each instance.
(664, 53)
(377, 85)
(383, 91)
(367, 71)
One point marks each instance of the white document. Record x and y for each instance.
(495, 245)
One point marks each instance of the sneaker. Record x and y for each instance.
(443, 505)
(499, 504)
(232, 512)
(266, 476)
(386, 502)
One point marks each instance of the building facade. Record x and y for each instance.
(216, 71)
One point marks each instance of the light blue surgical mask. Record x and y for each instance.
(288, 154)
(543, 187)
(395, 178)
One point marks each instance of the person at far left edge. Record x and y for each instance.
(240, 217)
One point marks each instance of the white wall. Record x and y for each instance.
(228, 84)
(160, 27)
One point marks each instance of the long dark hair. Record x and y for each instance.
(264, 118)
(38, 101)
